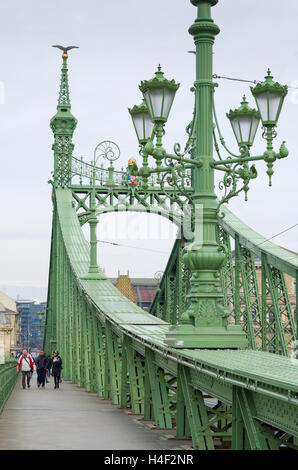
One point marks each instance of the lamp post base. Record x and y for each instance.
(191, 337)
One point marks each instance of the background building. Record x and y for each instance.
(10, 326)
(141, 291)
(32, 327)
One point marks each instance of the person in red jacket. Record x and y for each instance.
(26, 366)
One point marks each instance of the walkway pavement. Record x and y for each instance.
(70, 418)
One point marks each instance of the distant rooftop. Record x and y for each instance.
(138, 281)
(7, 302)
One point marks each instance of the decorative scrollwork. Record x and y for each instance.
(158, 275)
(244, 151)
(235, 173)
(176, 178)
(108, 150)
(265, 133)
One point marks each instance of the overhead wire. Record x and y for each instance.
(215, 76)
(134, 247)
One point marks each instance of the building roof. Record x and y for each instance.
(8, 303)
(138, 281)
(144, 294)
(124, 285)
(138, 290)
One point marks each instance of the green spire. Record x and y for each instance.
(63, 125)
(64, 88)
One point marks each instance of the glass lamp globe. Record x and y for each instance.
(159, 94)
(245, 122)
(142, 122)
(269, 96)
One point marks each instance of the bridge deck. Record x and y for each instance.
(70, 418)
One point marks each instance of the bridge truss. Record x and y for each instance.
(246, 399)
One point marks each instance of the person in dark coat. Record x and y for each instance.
(56, 368)
(48, 371)
(41, 366)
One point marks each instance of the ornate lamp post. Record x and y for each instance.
(204, 324)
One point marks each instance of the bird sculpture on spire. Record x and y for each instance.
(65, 49)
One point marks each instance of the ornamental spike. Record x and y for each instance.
(64, 87)
(64, 99)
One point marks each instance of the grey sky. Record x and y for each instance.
(121, 43)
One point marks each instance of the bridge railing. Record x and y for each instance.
(8, 378)
(259, 283)
(83, 172)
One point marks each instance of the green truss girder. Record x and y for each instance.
(122, 357)
(196, 412)
(170, 298)
(277, 311)
(266, 316)
(133, 375)
(169, 204)
(159, 392)
(114, 363)
(227, 276)
(247, 294)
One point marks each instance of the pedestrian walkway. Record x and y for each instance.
(70, 418)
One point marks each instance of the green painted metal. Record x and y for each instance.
(63, 125)
(247, 432)
(272, 378)
(246, 398)
(160, 398)
(196, 412)
(240, 285)
(247, 291)
(8, 378)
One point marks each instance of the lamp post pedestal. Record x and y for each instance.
(189, 337)
(204, 324)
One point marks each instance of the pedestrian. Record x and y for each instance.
(41, 365)
(56, 368)
(26, 366)
(49, 365)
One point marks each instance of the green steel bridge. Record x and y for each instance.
(115, 349)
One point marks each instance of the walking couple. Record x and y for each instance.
(43, 365)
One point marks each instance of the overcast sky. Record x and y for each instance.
(121, 43)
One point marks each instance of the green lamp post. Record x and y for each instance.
(204, 322)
